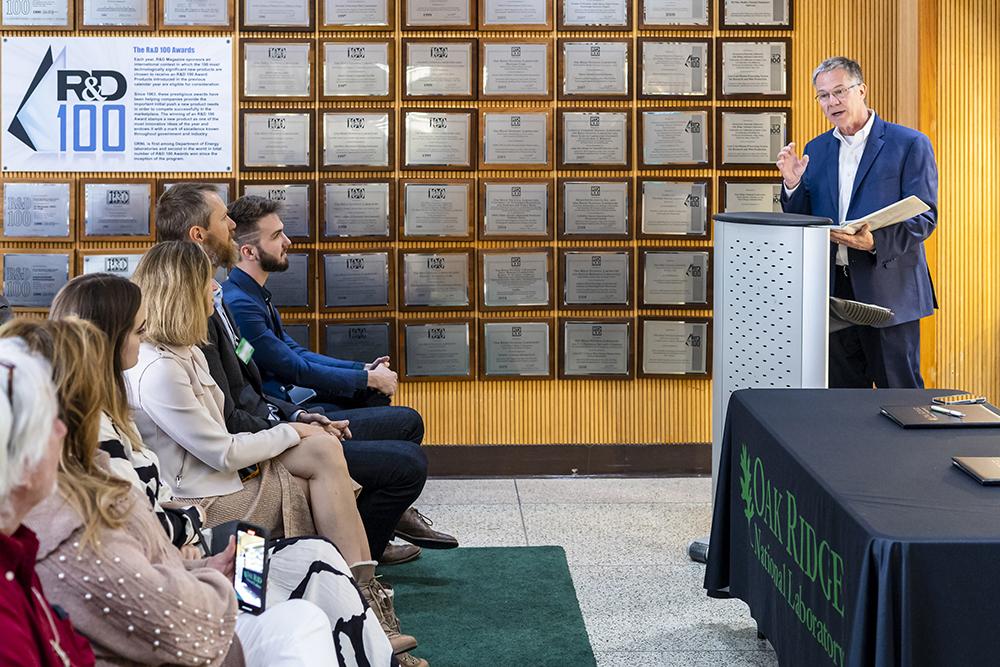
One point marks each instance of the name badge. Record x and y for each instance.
(244, 351)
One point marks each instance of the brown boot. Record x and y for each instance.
(395, 554)
(380, 600)
(408, 660)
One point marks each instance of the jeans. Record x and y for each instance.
(384, 456)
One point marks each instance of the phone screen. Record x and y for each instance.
(251, 561)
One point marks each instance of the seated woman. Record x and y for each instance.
(253, 477)
(309, 568)
(31, 437)
(104, 558)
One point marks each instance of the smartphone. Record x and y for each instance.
(959, 399)
(250, 580)
(300, 395)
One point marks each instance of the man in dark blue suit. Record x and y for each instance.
(860, 166)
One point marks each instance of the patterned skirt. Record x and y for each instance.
(272, 500)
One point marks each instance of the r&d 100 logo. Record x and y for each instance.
(118, 197)
(87, 123)
(81, 123)
(116, 264)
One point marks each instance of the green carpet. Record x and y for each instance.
(497, 606)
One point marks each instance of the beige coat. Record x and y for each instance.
(179, 412)
(135, 599)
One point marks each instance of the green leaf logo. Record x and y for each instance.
(746, 481)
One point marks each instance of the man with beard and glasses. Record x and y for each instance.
(383, 452)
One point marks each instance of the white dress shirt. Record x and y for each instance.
(851, 150)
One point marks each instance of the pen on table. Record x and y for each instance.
(946, 411)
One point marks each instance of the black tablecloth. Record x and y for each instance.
(853, 541)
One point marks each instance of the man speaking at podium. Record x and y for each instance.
(860, 166)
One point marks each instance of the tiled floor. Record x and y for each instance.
(626, 542)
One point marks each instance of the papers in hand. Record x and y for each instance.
(890, 215)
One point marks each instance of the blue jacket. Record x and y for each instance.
(280, 359)
(897, 162)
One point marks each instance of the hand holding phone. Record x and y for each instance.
(250, 567)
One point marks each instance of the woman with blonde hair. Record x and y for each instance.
(285, 478)
(309, 568)
(97, 533)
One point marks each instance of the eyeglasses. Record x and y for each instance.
(10, 381)
(839, 93)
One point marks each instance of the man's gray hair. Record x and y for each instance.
(852, 68)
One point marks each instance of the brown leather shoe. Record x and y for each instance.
(415, 528)
(395, 554)
(408, 660)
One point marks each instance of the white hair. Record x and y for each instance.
(26, 417)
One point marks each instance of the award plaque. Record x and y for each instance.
(596, 349)
(437, 208)
(674, 14)
(37, 14)
(357, 14)
(439, 68)
(31, 278)
(755, 14)
(600, 277)
(196, 14)
(595, 14)
(439, 139)
(674, 138)
(119, 264)
(300, 332)
(670, 346)
(751, 138)
(357, 280)
(118, 210)
(277, 70)
(114, 14)
(276, 140)
(515, 15)
(358, 139)
(741, 195)
(595, 208)
(292, 289)
(674, 278)
(594, 139)
(675, 68)
(754, 68)
(274, 15)
(594, 70)
(516, 349)
(39, 210)
(225, 187)
(515, 208)
(518, 278)
(358, 210)
(295, 201)
(516, 139)
(361, 341)
(434, 350)
(437, 280)
(438, 14)
(356, 69)
(515, 69)
(673, 207)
